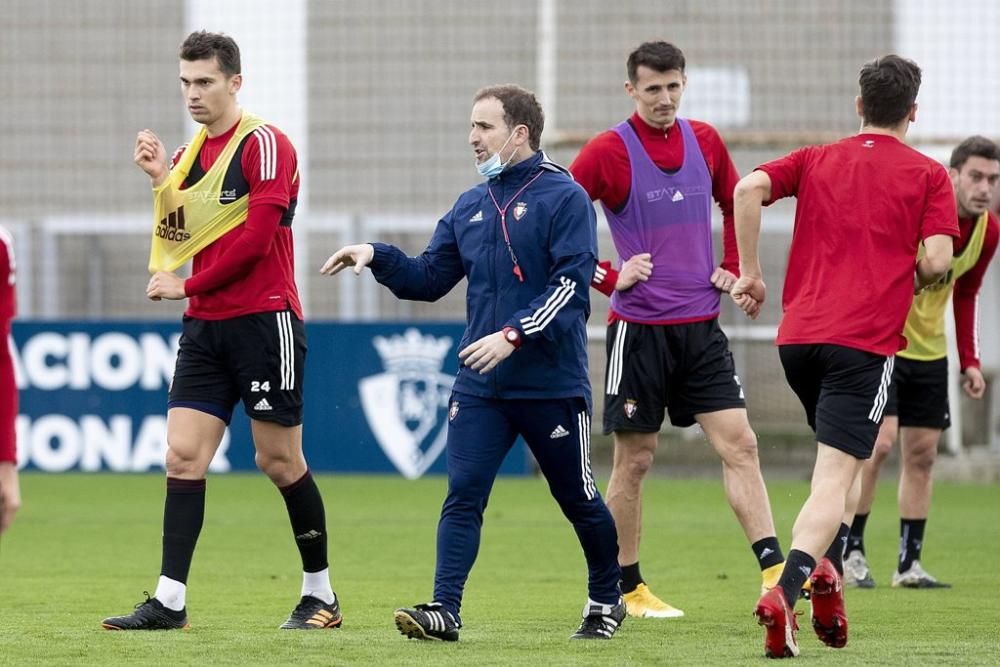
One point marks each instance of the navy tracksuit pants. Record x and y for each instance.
(480, 433)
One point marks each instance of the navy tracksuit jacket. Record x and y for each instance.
(542, 390)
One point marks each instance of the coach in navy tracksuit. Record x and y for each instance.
(526, 240)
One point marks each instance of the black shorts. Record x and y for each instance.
(919, 393)
(843, 390)
(259, 358)
(685, 369)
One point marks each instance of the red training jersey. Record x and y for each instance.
(864, 205)
(251, 269)
(603, 169)
(8, 388)
(8, 296)
(965, 294)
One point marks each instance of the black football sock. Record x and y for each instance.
(308, 518)
(768, 552)
(836, 551)
(631, 578)
(911, 541)
(183, 516)
(856, 539)
(798, 566)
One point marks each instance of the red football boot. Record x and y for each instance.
(779, 624)
(829, 618)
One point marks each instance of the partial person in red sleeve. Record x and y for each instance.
(655, 174)
(243, 336)
(917, 409)
(10, 492)
(865, 204)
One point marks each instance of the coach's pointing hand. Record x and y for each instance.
(358, 256)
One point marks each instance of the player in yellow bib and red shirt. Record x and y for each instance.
(227, 200)
(917, 407)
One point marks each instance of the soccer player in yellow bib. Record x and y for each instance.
(227, 201)
(918, 398)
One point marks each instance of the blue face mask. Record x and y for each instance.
(492, 166)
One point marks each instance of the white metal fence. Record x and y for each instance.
(66, 269)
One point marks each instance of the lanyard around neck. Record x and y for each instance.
(502, 210)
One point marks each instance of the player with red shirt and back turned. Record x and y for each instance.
(653, 174)
(10, 493)
(865, 203)
(234, 187)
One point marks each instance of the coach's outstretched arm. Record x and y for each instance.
(751, 192)
(426, 277)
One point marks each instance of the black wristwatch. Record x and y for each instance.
(512, 336)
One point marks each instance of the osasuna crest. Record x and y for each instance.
(520, 208)
(630, 407)
(405, 406)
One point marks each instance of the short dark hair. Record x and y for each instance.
(659, 56)
(204, 45)
(976, 145)
(520, 107)
(889, 87)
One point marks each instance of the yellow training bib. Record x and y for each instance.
(186, 221)
(924, 328)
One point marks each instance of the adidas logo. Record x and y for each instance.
(765, 553)
(558, 432)
(262, 405)
(677, 196)
(311, 535)
(478, 217)
(806, 570)
(172, 228)
(321, 619)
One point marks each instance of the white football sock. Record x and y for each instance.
(317, 584)
(170, 593)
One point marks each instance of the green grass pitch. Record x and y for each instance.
(86, 546)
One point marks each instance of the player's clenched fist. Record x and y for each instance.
(748, 293)
(165, 285)
(151, 156)
(636, 269)
(358, 256)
